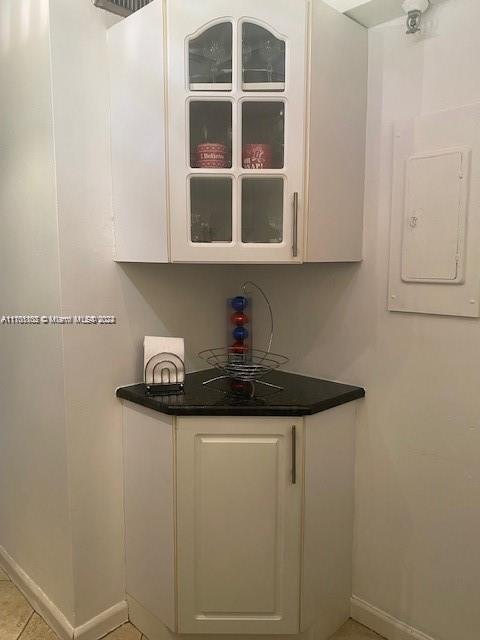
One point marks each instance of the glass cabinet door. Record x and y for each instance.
(236, 116)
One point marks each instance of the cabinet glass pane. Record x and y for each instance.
(210, 134)
(210, 59)
(211, 209)
(263, 59)
(262, 210)
(263, 135)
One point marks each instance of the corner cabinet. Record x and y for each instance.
(238, 525)
(237, 132)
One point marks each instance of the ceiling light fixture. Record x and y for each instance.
(414, 10)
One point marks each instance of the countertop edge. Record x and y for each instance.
(349, 396)
(239, 410)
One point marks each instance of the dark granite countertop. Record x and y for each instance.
(300, 396)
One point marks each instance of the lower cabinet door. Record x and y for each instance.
(239, 524)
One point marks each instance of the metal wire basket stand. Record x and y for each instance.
(249, 366)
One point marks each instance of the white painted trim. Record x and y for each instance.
(36, 597)
(150, 626)
(383, 623)
(102, 624)
(93, 629)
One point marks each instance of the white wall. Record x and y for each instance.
(418, 449)
(91, 354)
(418, 507)
(34, 498)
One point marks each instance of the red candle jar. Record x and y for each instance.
(257, 156)
(211, 155)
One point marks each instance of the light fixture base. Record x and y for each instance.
(414, 21)
(414, 10)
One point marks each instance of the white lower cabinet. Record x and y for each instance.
(238, 525)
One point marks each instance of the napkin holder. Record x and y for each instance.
(164, 372)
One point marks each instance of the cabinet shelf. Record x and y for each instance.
(246, 86)
(263, 86)
(211, 171)
(262, 173)
(210, 86)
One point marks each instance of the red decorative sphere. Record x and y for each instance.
(237, 385)
(238, 347)
(241, 388)
(239, 318)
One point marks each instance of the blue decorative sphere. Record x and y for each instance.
(240, 333)
(239, 303)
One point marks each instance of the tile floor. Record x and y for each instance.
(351, 630)
(18, 621)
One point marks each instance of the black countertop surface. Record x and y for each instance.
(300, 396)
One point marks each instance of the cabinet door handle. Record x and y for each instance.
(294, 454)
(295, 225)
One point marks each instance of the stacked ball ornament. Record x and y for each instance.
(239, 326)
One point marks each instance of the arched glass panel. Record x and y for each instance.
(210, 59)
(263, 59)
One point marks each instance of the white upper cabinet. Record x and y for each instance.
(138, 140)
(236, 105)
(241, 137)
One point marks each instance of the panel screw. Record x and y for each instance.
(412, 221)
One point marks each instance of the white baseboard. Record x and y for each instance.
(36, 597)
(383, 623)
(95, 628)
(102, 624)
(147, 623)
